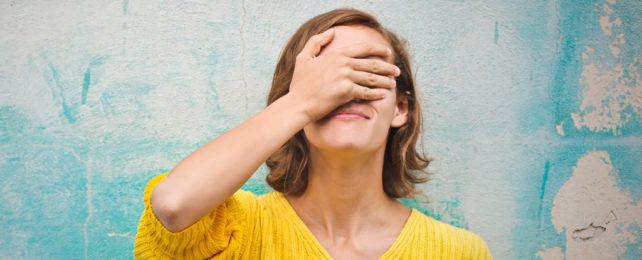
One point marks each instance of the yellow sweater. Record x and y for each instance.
(266, 227)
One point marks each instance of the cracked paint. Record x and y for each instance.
(591, 210)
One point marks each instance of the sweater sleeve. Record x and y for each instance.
(222, 230)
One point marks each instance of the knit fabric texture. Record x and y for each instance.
(246, 226)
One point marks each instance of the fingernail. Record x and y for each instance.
(393, 82)
(397, 71)
(327, 33)
(389, 51)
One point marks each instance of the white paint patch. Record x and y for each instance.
(605, 21)
(553, 253)
(607, 92)
(113, 234)
(606, 24)
(560, 129)
(594, 212)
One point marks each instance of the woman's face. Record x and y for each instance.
(358, 125)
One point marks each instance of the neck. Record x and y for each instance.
(345, 193)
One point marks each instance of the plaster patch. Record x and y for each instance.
(560, 128)
(607, 96)
(610, 94)
(594, 212)
(553, 253)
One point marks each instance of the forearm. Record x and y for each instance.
(213, 172)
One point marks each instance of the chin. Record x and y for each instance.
(344, 143)
(341, 136)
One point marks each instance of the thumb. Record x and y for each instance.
(314, 44)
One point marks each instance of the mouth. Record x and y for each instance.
(346, 113)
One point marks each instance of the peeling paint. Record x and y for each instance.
(560, 129)
(611, 95)
(591, 210)
(553, 253)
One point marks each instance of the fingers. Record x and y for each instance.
(364, 93)
(376, 66)
(372, 80)
(366, 49)
(314, 44)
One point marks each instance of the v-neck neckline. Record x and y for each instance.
(308, 235)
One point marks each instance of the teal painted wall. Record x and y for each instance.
(533, 114)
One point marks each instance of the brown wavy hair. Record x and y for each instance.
(403, 166)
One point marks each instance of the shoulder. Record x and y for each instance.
(444, 231)
(448, 238)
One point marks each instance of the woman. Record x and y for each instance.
(339, 136)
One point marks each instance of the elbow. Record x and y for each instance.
(167, 208)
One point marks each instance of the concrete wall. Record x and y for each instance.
(533, 114)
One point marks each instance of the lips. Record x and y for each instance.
(347, 113)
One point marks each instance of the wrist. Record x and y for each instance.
(298, 109)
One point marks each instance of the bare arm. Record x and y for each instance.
(212, 173)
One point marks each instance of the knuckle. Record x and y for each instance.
(348, 85)
(343, 61)
(370, 48)
(372, 79)
(374, 65)
(346, 88)
(368, 93)
(343, 84)
(344, 71)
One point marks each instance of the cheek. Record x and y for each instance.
(385, 108)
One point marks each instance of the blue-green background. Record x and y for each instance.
(97, 97)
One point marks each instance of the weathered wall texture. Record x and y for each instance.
(533, 114)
